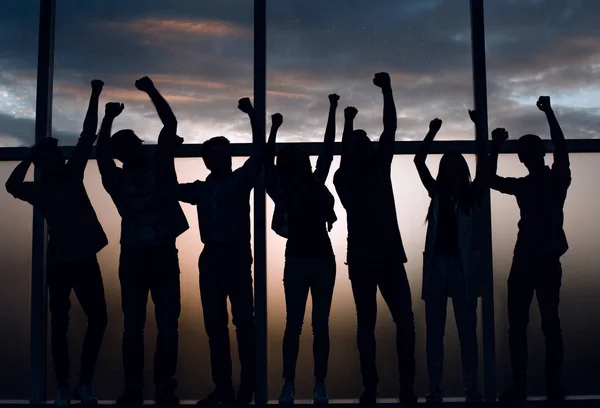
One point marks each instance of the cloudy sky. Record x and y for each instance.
(200, 55)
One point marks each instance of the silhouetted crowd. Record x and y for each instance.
(146, 193)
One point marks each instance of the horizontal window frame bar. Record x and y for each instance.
(315, 148)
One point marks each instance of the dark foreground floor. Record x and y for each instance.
(572, 403)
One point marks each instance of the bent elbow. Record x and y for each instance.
(11, 188)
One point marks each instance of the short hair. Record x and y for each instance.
(122, 140)
(45, 146)
(530, 142)
(214, 142)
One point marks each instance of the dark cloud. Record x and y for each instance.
(201, 57)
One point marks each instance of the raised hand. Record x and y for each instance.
(435, 125)
(97, 85)
(382, 80)
(245, 105)
(333, 99)
(499, 136)
(473, 115)
(277, 119)
(350, 112)
(113, 109)
(144, 84)
(543, 104)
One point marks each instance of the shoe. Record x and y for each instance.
(320, 396)
(368, 397)
(166, 399)
(131, 398)
(434, 397)
(514, 394)
(63, 397)
(85, 394)
(287, 393)
(219, 396)
(472, 395)
(408, 397)
(245, 395)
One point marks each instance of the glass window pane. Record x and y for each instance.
(193, 370)
(344, 380)
(543, 48)
(199, 54)
(15, 279)
(316, 48)
(19, 22)
(580, 305)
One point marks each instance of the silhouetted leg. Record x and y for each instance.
(166, 295)
(548, 297)
(296, 286)
(395, 290)
(241, 297)
(134, 298)
(520, 295)
(59, 290)
(435, 319)
(321, 292)
(364, 289)
(89, 288)
(465, 313)
(216, 318)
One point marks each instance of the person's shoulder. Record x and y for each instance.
(339, 175)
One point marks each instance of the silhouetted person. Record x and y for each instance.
(304, 214)
(75, 237)
(375, 252)
(223, 205)
(541, 242)
(151, 220)
(450, 263)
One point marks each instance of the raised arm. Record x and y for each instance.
(168, 140)
(349, 114)
(561, 155)
(276, 122)
(254, 165)
(504, 185)
(166, 115)
(272, 178)
(424, 173)
(390, 118)
(83, 150)
(106, 164)
(326, 157)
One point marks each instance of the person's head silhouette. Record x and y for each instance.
(453, 174)
(48, 158)
(294, 165)
(127, 147)
(361, 148)
(216, 153)
(531, 151)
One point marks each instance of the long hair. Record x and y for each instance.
(293, 164)
(445, 187)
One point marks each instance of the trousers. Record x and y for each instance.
(85, 279)
(541, 275)
(301, 276)
(390, 277)
(444, 284)
(153, 271)
(226, 273)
